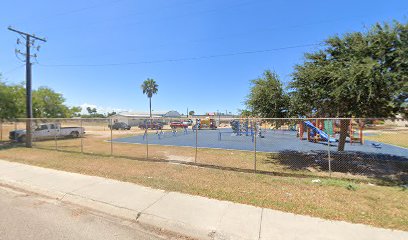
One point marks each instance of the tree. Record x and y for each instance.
(150, 87)
(75, 111)
(245, 113)
(357, 75)
(49, 104)
(46, 103)
(92, 111)
(12, 104)
(267, 98)
(111, 113)
(191, 113)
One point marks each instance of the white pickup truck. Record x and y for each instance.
(47, 131)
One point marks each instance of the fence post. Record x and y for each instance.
(111, 137)
(55, 138)
(1, 130)
(82, 140)
(328, 154)
(255, 133)
(196, 145)
(147, 142)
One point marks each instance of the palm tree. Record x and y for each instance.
(149, 88)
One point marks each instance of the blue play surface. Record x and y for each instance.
(273, 141)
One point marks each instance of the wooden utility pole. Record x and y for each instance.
(30, 39)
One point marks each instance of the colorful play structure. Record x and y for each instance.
(327, 130)
(205, 123)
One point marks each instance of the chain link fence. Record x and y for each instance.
(373, 148)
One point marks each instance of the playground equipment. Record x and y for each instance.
(237, 129)
(316, 135)
(321, 130)
(206, 123)
(174, 133)
(241, 126)
(356, 137)
(245, 127)
(167, 133)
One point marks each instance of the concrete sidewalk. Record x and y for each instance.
(194, 216)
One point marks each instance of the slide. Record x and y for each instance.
(322, 134)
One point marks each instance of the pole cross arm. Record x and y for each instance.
(27, 34)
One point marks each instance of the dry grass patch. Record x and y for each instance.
(398, 138)
(98, 135)
(330, 199)
(97, 142)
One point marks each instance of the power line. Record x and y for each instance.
(153, 20)
(73, 11)
(13, 69)
(227, 36)
(87, 8)
(183, 59)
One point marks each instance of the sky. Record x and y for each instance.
(202, 53)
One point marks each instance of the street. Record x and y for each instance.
(29, 216)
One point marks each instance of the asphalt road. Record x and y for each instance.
(28, 216)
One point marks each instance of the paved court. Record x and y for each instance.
(273, 141)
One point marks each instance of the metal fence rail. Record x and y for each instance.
(373, 149)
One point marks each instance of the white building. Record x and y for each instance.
(398, 121)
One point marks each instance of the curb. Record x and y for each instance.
(148, 220)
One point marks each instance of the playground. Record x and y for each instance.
(266, 141)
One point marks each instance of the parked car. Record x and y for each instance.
(178, 124)
(151, 125)
(47, 131)
(119, 126)
(189, 122)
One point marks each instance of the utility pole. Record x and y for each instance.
(30, 40)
